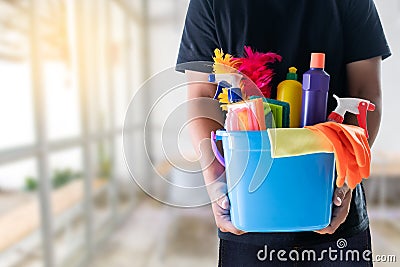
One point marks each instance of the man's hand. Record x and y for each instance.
(341, 201)
(220, 208)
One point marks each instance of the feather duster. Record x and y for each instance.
(224, 63)
(254, 65)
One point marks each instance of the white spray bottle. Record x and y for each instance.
(356, 106)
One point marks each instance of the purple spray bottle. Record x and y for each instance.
(315, 92)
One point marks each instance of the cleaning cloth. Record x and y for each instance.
(287, 142)
(280, 111)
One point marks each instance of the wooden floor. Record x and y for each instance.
(139, 241)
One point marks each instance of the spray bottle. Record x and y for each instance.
(290, 91)
(315, 92)
(230, 81)
(356, 106)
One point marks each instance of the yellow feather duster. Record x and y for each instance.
(224, 63)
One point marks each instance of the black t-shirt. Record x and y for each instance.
(345, 30)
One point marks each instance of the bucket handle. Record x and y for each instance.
(217, 154)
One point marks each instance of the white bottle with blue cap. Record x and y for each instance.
(230, 81)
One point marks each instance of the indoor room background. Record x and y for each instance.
(68, 71)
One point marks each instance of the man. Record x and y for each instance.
(349, 32)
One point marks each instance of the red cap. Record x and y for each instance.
(317, 60)
(335, 117)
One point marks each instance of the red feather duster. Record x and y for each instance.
(254, 66)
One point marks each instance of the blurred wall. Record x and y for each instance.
(388, 137)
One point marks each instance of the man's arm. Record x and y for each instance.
(205, 116)
(363, 82)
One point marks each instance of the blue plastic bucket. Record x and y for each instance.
(275, 195)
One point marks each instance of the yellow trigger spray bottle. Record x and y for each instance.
(290, 91)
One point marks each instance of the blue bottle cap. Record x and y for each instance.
(211, 78)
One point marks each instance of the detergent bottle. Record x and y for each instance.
(315, 92)
(290, 91)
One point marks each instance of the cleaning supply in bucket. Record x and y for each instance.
(245, 116)
(280, 111)
(224, 63)
(277, 114)
(253, 65)
(356, 106)
(291, 142)
(315, 92)
(290, 91)
(350, 143)
(289, 181)
(256, 66)
(284, 115)
(269, 118)
(231, 81)
(352, 151)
